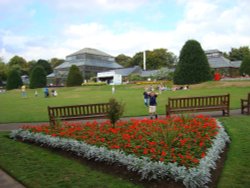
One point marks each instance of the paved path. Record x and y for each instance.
(7, 181)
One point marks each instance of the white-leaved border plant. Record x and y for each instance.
(194, 177)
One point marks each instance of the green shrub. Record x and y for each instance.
(94, 84)
(38, 77)
(115, 111)
(75, 77)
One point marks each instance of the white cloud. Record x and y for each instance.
(97, 5)
(213, 25)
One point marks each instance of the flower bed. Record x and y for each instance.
(184, 148)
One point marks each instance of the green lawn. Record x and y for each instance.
(13, 108)
(38, 167)
(236, 172)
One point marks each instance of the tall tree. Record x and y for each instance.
(38, 77)
(123, 60)
(20, 62)
(155, 59)
(75, 77)
(245, 66)
(137, 60)
(31, 65)
(239, 53)
(16, 60)
(54, 62)
(193, 66)
(14, 80)
(45, 64)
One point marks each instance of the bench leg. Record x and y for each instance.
(223, 112)
(242, 108)
(226, 112)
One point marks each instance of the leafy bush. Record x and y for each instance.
(135, 77)
(115, 111)
(94, 84)
(38, 77)
(14, 80)
(75, 77)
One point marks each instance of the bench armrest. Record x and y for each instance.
(244, 101)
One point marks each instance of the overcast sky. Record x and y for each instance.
(43, 29)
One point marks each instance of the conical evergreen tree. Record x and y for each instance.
(193, 66)
(75, 77)
(38, 77)
(14, 80)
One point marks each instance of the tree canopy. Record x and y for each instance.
(193, 66)
(16, 60)
(155, 59)
(238, 53)
(54, 62)
(46, 65)
(20, 63)
(123, 60)
(245, 66)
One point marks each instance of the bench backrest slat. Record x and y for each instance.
(198, 101)
(201, 103)
(77, 111)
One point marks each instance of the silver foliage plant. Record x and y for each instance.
(191, 177)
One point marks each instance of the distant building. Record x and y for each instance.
(221, 64)
(118, 76)
(89, 61)
(25, 79)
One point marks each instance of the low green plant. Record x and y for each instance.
(115, 111)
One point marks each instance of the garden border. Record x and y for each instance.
(199, 176)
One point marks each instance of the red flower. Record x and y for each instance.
(203, 155)
(163, 153)
(145, 151)
(180, 137)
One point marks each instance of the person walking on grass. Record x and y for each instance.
(23, 89)
(146, 97)
(152, 105)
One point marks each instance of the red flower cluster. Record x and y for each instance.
(181, 139)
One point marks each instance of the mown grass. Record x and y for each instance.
(236, 172)
(38, 167)
(13, 108)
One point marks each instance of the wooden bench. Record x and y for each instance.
(245, 105)
(76, 112)
(197, 104)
